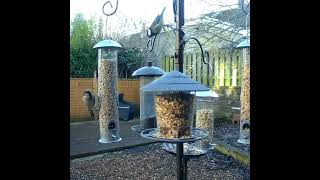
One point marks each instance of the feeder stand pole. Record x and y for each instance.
(179, 36)
(181, 161)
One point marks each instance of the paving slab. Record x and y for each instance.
(84, 138)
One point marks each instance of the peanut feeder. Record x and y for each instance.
(205, 117)
(174, 104)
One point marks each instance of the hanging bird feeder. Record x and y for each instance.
(244, 137)
(107, 90)
(147, 113)
(174, 104)
(205, 117)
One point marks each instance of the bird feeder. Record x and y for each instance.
(205, 116)
(147, 113)
(174, 104)
(244, 137)
(107, 90)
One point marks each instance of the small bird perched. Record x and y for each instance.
(156, 26)
(92, 102)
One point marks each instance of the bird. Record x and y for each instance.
(92, 102)
(156, 26)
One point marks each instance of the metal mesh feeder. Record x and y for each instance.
(174, 104)
(147, 112)
(108, 90)
(205, 117)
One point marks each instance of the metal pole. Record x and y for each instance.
(184, 167)
(179, 36)
(181, 162)
(179, 151)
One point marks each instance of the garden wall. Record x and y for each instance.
(78, 111)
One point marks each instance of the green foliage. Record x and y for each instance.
(84, 35)
(129, 60)
(82, 63)
(83, 58)
(81, 33)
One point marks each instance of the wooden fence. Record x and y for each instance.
(129, 88)
(225, 71)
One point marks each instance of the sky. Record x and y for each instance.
(135, 11)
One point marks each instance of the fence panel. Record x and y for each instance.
(225, 71)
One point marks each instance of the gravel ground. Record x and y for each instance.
(229, 133)
(152, 162)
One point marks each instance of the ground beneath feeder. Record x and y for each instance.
(229, 133)
(152, 162)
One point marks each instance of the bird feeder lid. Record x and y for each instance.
(244, 44)
(174, 81)
(206, 94)
(107, 43)
(148, 71)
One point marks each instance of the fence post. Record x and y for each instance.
(216, 69)
(172, 64)
(187, 62)
(167, 64)
(205, 73)
(184, 64)
(227, 69)
(163, 64)
(221, 69)
(199, 73)
(211, 77)
(194, 66)
(234, 69)
(94, 82)
(77, 96)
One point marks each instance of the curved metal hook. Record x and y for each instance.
(111, 7)
(202, 53)
(169, 26)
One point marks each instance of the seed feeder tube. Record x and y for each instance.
(244, 137)
(108, 90)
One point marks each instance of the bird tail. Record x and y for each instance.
(163, 10)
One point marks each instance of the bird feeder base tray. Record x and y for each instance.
(243, 141)
(106, 141)
(136, 128)
(196, 134)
